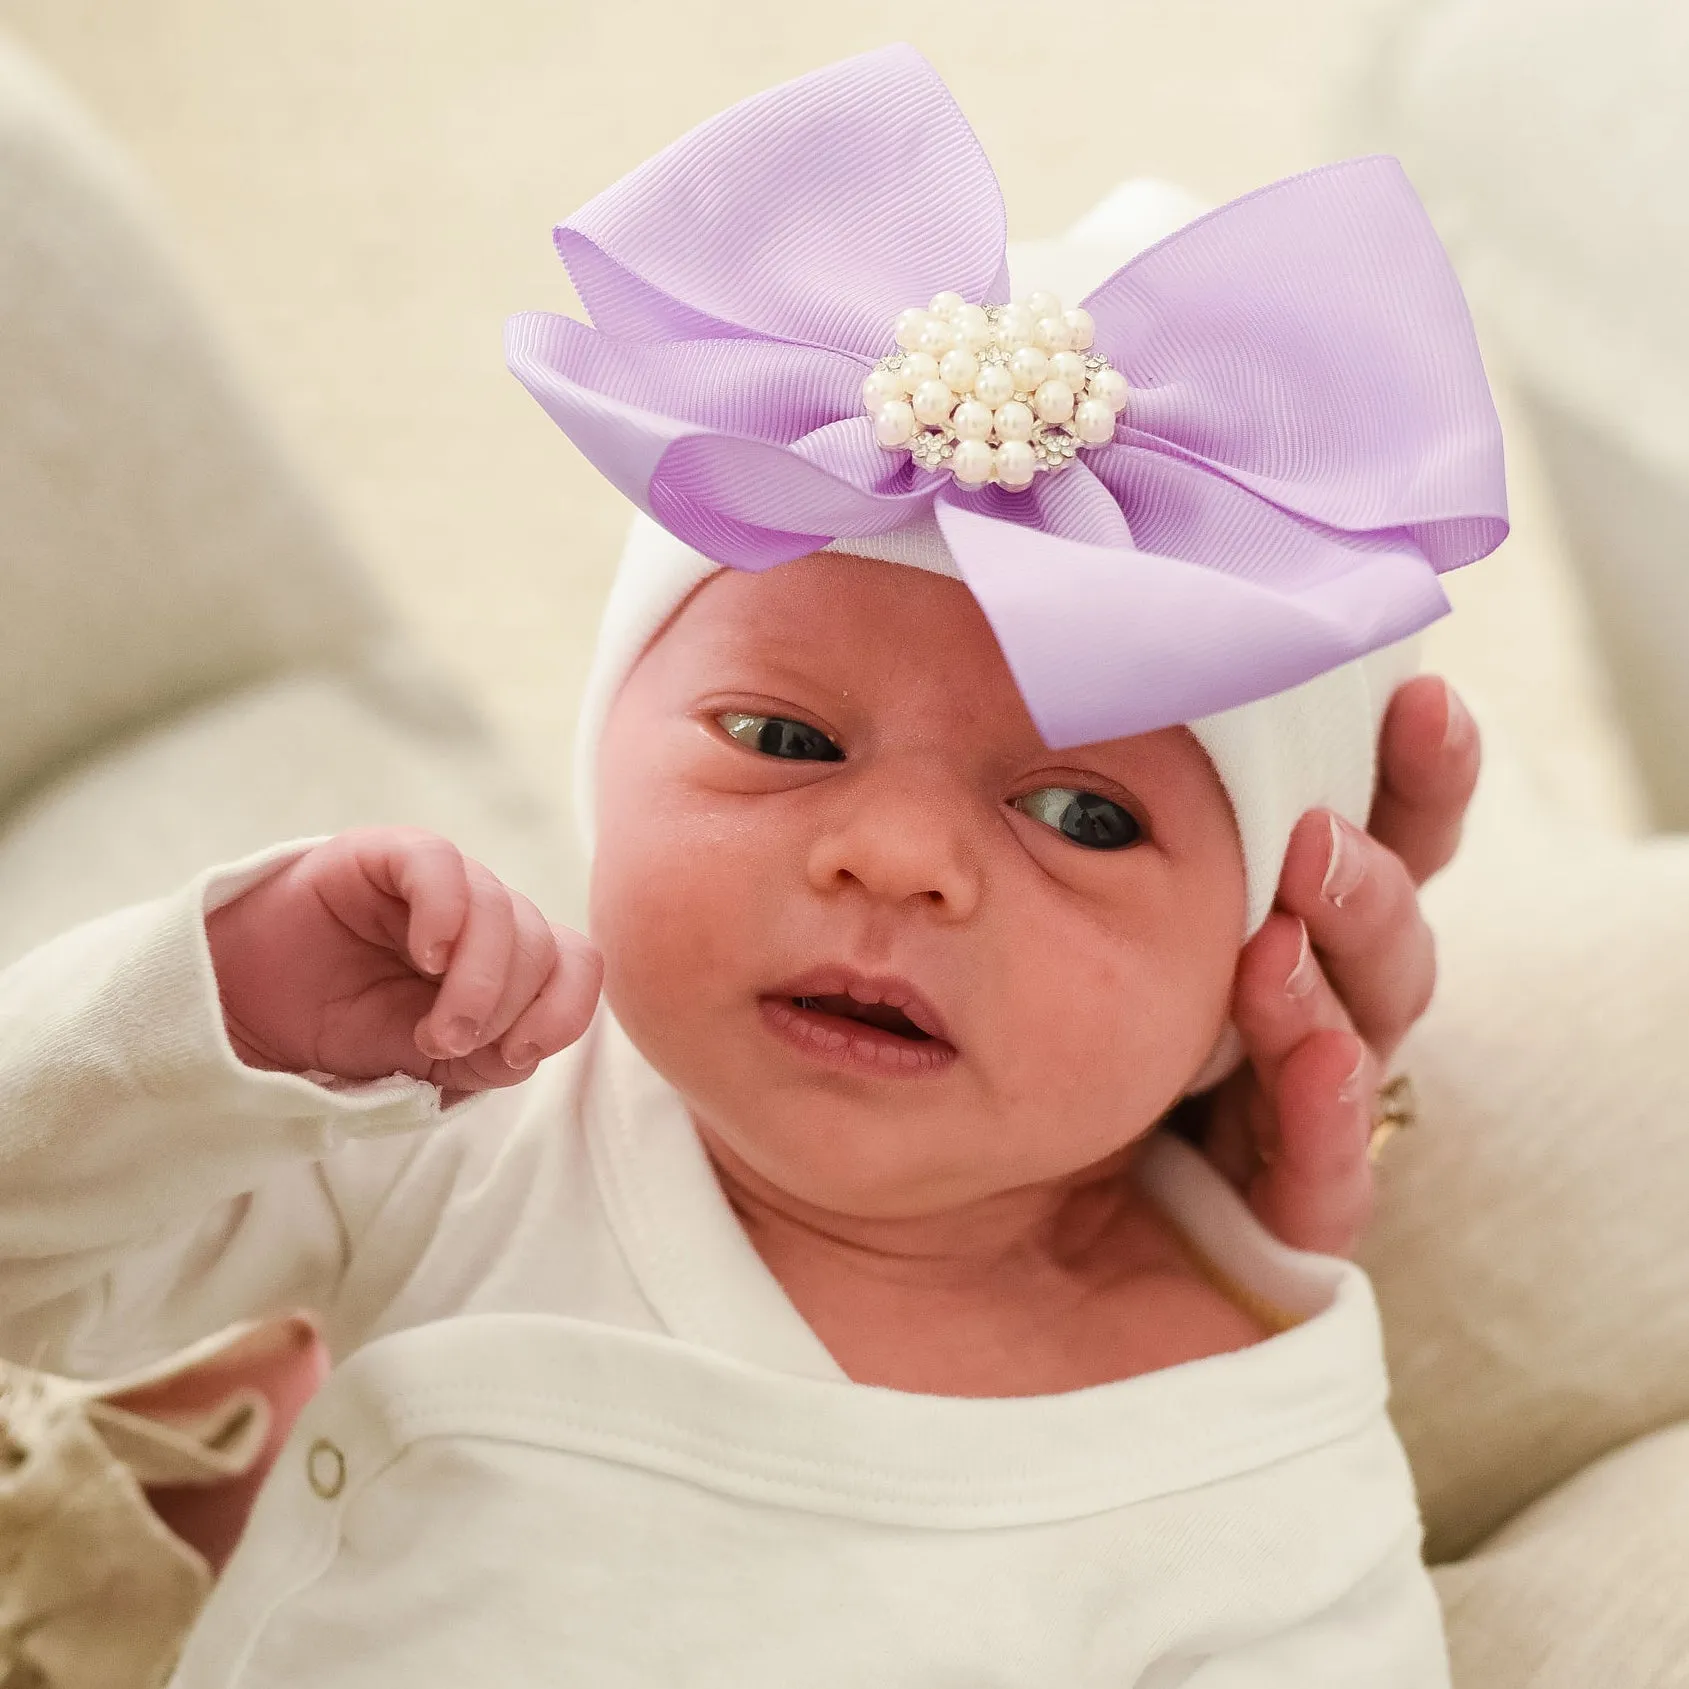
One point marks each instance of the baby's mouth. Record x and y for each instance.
(874, 1023)
(882, 1015)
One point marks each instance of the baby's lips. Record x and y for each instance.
(837, 979)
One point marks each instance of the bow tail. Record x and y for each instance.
(1106, 641)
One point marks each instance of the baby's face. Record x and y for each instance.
(819, 784)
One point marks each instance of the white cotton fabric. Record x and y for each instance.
(582, 1429)
(1311, 747)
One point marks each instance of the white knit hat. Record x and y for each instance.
(1313, 746)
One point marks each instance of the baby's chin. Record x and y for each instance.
(885, 1149)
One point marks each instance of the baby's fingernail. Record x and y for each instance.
(433, 959)
(1458, 726)
(460, 1037)
(524, 1055)
(1305, 975)
(1346, 868)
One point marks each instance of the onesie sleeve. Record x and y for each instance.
(152, 1186)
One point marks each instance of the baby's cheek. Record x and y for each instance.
(1115, 1028)
(674, 908)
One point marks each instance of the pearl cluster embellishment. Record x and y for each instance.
(994, 392)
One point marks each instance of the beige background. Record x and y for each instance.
(364, 189)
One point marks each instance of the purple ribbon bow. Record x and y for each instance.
(1309, 440)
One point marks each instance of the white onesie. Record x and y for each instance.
(580, 1436)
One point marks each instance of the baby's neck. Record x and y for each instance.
(983, 1244)
(1028, 1292)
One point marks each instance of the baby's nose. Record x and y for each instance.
(897, 852)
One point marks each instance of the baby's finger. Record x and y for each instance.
(476, 974)
(1362, 913)
(533, 954)
(1316, 1189)
(432, 879)
(564, 1006)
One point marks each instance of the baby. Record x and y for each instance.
(831, 1311)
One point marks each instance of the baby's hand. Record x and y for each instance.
(386, 950)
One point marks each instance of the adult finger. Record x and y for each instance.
(1315, 1189)
(1360, 907)
(1428, 759)
(475, 975)
(1279, 996)
(564, 1006)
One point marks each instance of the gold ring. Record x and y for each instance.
(1395, 1107)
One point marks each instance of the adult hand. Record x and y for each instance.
(1340, 971)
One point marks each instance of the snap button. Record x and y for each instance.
(325, 1466)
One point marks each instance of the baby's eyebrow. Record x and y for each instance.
(762, 665)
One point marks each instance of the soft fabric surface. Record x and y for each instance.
(1547, 139)
(307, 754)
(154, 549)
(1585, 1588)
(1527, 1253)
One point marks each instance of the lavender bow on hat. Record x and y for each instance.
(1307, 441)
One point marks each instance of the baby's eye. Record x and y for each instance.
(1088, 819)
(775, 736)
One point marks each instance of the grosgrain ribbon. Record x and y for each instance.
(1310, 439)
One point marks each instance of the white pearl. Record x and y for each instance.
(1093, 422)
(1053, 401)
(1027, 368)
(972, 420)
(946, 304)
(1017, 463)
(936, 337)
(895, 424)
(918, 367)
(957, 369)
(1084, 328)
(1052, 335)
(878, 386)
(973, 462)
(1014, 421)
(1014, 326)
(993, 385)
(1070, 367)
(933, 402)
(909, 325)
(1042, 304)
(973, 327)
(1109, 385)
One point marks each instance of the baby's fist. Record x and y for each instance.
(386, 950)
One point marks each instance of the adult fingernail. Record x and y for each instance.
(1346, 868)
(1458, 725)
(461, 1036)
(1354, 1081)
(1305, 974)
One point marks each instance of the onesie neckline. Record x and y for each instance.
(710, 1288)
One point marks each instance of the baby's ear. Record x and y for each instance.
(1527, 1250)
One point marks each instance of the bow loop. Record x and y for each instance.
(814, 212)
(1310, 342)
